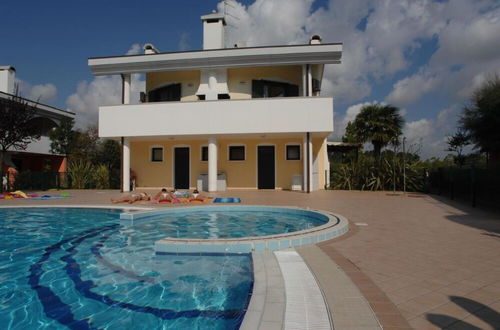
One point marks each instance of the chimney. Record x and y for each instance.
(213, 30)
(7, 79)
(315, 40)
(150, 49)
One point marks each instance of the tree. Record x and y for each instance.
(86, 144)
(350, 134)
(456, 143)
(379, 124)
(16, 128)
(481, 117)
(63, 138)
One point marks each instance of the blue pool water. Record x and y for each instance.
(81, 269)
(229, 222)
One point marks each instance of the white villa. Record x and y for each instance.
(217, 118)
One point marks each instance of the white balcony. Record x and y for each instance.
(226, 117)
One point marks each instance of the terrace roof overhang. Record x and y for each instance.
(217, 58)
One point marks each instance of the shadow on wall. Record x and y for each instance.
(483, 312)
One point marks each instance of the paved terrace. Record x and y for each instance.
(418, 260)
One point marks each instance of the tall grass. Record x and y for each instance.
(369, 173)
(81, 174)
(101, 177)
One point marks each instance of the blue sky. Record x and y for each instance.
(422, 56)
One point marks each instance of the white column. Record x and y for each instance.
(309, 81)
(304, 80)
(212, 164)
(126, 82)
(126, 165)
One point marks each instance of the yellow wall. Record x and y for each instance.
(240, 79)
(189, 80)
(152, 174)
(240, 174)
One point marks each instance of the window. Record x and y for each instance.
(204, 154)
(237, 153)
(266, 88)
(293, 152)
(223, 97)
(166, 93)
(157, 154)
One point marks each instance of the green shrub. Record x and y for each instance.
(80, 173)
(101, 177)
(369, 173)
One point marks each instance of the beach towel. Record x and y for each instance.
(227, 200)
(45, 197)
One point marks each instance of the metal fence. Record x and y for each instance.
(479, 187)
(38, 181)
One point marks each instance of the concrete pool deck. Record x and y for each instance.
(417, 260)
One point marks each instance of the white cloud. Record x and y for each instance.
(183, 41)
(468, 43)
(101, 91)
(410, 89)
(43, 93)
(134, 50)
(429, 135)
(266, 22)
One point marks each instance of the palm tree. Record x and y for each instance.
(379, 124)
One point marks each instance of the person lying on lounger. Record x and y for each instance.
(197, 198)
(163, 195)
(132, 198)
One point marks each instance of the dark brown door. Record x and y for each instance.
(265, 167)
(181, 168)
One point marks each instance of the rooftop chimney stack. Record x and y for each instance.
(7, 79)
(315, 40)
(213, 30)
(150, 49)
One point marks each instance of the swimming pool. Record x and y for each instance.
(226, 222)
(236, 229)
(82, 269)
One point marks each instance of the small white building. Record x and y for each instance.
(241, 118)
(37, 156)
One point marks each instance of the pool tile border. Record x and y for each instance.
(385, 310)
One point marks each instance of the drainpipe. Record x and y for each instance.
(308, 134)
(308, 150)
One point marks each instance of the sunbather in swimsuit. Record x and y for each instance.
(132, 198)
